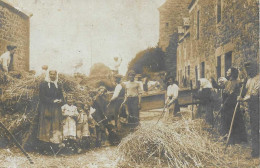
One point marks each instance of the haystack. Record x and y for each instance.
(183, 144)
(20, 101)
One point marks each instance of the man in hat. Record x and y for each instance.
(117, 98)
(6, 59)
(252, 97)
(132, 99)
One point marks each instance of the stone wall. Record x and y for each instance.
(15, 30)
(172, 13)
(236, 35)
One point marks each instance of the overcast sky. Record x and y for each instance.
(65, 33)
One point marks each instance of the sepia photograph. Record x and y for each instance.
(129, 84)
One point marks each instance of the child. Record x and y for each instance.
(70, 114)
(83, 133)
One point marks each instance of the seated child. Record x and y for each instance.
(70, 114)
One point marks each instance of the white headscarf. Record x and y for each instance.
(47, 79)
(205, 83)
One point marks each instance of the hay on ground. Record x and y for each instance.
(185, 143)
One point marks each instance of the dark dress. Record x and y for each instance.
(50, 128)
(206, 105)
(230, 94)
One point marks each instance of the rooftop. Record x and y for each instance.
(19, 11)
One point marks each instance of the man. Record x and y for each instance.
(116, 65)
(138, 78)
(171, 99)
(44, 71)
(6, 59)
(117, 98)
(252, 97)
(132, 99)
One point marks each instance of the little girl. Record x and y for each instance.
(70, 114)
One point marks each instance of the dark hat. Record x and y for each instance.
(131, 72)
(118, 76)
(10, 47)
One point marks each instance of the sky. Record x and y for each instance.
(67, 33)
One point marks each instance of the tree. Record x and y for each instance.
(149, 60)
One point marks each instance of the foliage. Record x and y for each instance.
(149, 60)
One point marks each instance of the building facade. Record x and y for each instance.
(172, 13)
(221, 34)
(15, 30)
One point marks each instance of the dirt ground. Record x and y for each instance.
(104, 157)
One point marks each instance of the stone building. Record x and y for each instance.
(15, 30)
(221, 34)
(172, 13)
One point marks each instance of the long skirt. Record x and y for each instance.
(253, 105)
(50, 123)
(133, 110)
(206, 111)
(238, 133)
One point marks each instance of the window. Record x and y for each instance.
(228, 60)
(198, 24)
(167, 24)
(189, 70)
(202, 70)
(218, 66)
(219, 11)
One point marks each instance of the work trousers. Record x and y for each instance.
(133, 110)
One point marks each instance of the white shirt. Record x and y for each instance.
(253, 86)
(172, 91)
(5, 60)
(116, 65)
(117, 91)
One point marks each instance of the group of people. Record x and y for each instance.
(65, 122)
(60, 122)
(234, 92)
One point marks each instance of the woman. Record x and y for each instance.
(230, 93)
(171, 99)
(204, 95)
(51, 99)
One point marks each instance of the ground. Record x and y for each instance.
(104, 157)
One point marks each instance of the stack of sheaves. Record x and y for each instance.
(185, 143)
(20, 100)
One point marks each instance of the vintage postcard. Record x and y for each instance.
(129, 83)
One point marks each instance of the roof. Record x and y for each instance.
(163, 5)
(191, 4)
(17, 10)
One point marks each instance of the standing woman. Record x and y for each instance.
(230, 93)
(171, 99)
(133, 93)
(205, 108)
(51, 99)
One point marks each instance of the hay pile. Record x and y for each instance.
(20, 101)
(183, 144)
